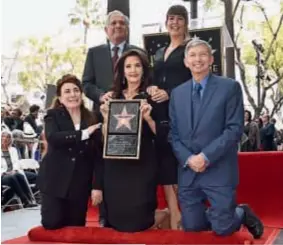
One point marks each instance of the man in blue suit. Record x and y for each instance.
(207, 118)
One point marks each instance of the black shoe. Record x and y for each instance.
(252, 222)
(30, 205)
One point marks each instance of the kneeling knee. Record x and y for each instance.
(51, 224)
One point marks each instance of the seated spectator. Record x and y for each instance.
(22, 149)
(18, 143)
(14, 121)
(31, 118)
(30, 136)
(10, 171)
(6, 194)
(4, 127)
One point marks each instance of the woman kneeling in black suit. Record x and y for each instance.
(73, 156)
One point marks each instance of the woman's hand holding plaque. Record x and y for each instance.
(146, 110)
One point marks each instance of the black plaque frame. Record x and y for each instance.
(109, 135)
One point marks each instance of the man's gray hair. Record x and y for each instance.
(6, 132)
(116, 12)
(197, 42)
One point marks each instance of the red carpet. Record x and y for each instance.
(149, 237)
(106, 236)
(261, 182)
(261, 185)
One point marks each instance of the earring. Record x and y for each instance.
(124, 81)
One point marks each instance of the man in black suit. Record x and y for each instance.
(98, 71)
(98, 74)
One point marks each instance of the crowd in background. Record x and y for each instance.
(20, 156)
(261, 134)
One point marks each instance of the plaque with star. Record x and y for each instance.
(123, 130)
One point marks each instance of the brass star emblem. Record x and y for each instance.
(124, 119)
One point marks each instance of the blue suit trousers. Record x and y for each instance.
(222, 216)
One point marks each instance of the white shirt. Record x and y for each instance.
(85, 134)
(14, 159)
(121, 48)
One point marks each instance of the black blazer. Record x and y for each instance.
(98, 75)
(67, 170)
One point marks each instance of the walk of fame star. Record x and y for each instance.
(124, 119)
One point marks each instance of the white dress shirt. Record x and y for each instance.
(121, 48)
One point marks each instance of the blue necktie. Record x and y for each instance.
(196, 102)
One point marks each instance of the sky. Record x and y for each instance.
(24, 18)
(38, 18)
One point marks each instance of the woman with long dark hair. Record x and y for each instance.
(169, 72)
(130, 185)
(73, 158)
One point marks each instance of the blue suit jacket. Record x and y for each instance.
(217, 130)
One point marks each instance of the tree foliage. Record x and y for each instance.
(44, 64)
(7, 68)
(87, 14)
(270, 30)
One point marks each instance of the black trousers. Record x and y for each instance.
(31, 176)
(60, 212)
(18, 184)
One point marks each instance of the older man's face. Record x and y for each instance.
(199, 59)
(117, 29)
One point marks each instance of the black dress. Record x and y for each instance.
(168, 75)
(130, 187)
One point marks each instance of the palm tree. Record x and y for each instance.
(86, 12)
